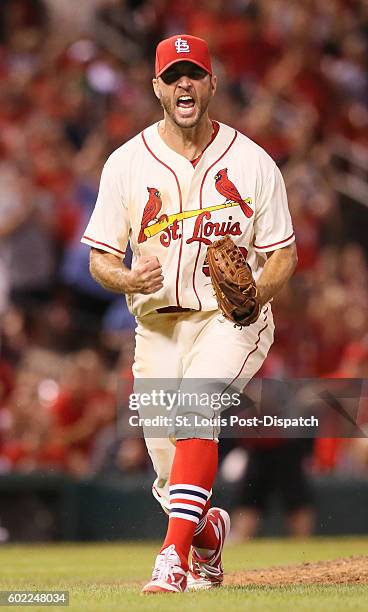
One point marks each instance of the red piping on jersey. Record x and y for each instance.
(200, 206)
(251, 352)
(216, 128)
(274, 244)
(181, 209)
(105, 245)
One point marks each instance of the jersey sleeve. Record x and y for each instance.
(273, 228)
(108, 228)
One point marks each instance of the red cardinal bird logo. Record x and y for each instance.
(151, 210)
(226, 188)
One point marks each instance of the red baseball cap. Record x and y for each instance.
(182, 48)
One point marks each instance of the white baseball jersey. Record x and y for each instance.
(154, 198)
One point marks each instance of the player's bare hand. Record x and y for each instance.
(145, 276)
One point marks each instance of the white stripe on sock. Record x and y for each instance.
(186, 517)
(190, 488)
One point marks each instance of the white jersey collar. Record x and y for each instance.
(170, 157)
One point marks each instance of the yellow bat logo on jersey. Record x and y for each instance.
(160, 226)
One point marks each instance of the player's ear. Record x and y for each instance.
(156, 88)
(213, 84)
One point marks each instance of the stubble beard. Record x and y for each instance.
(184, 123)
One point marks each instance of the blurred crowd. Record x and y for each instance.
(76, 84)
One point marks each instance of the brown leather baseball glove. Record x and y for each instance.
(233, 282)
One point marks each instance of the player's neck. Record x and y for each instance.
(189, 142)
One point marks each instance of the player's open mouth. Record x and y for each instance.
(185, 104)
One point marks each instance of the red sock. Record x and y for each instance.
(205, 510)
(192, 476)
(205, 536)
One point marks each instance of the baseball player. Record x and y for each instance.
(171, 191)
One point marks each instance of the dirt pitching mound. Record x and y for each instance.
(349, 570)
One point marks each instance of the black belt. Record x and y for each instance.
(169, 309)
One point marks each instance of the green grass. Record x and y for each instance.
(109, 577)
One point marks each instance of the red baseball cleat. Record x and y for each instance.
(209, 573)
(168, 576)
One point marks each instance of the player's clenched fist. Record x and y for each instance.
(145, 276)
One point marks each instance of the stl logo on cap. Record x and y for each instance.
(182, 46)
(179, 48)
